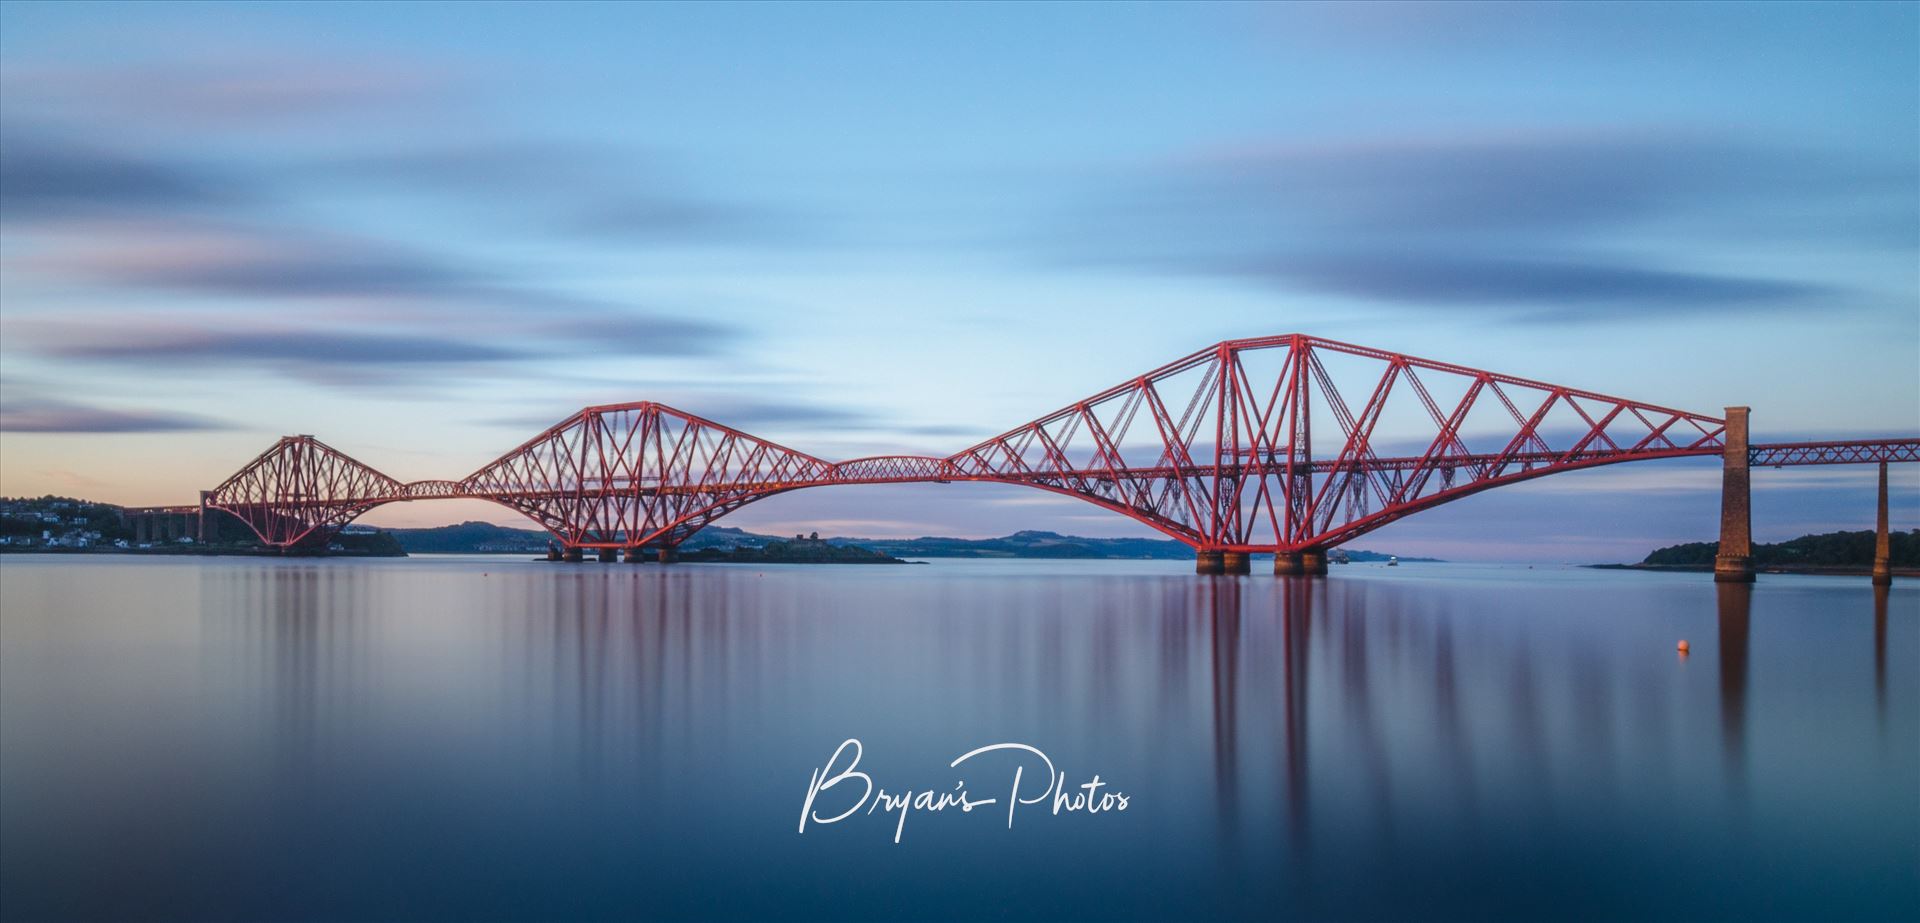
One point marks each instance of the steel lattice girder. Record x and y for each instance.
(1216, 449)
(1851, 452)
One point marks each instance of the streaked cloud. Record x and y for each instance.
(43, 176)
(195, 346)
(30, 414)
(348, 356)
(1524, 225)
(1549, 290)
(326, 307)
(257, 261)
(230, 88)
(122, 183)
(1510, 182)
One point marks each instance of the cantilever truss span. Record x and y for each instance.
(1282, 443)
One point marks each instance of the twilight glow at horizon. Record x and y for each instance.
(874, 230)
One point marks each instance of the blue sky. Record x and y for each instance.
(424, 231)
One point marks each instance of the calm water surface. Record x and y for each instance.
(479, 739)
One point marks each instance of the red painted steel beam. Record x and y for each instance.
(1849, 452)
(1211, 449)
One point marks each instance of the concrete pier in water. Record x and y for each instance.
(1309, 563)
(1734, 561)
(1882, 553)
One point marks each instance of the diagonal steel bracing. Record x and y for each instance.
(1277, 443)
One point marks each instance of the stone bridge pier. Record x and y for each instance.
(159, 525)
(1734, 561)
(1311, 562)
(1882, 552)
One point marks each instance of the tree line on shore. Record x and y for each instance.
(1832, 549)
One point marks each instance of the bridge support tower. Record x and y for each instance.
(636, 554)
(609, 555)
(1882, 553)
(1310, 562)
(1209, 562)
(573, 555)
(1734, 561)
(1235, 562)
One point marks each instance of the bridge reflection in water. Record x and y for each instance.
(1397, 743)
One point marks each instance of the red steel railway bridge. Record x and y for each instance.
(1261, 445)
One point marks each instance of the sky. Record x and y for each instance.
(424, 232)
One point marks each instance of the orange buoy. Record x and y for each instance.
(1683, 645)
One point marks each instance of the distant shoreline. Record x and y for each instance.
(1817, 570)
(197, 551)
(468, 537)
(1847, 553)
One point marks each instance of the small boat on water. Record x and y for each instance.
(1393, 561)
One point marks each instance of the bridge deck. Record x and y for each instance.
(1226, 435)
(1775, 455)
